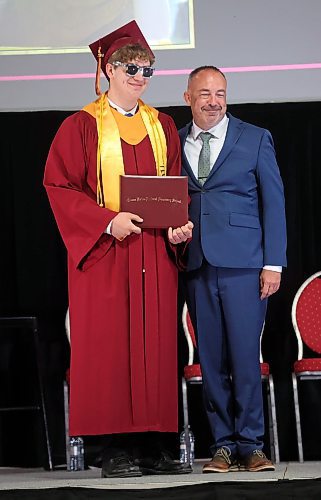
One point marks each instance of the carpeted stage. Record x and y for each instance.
(291, 480)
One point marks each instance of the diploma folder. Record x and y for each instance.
(161, 201)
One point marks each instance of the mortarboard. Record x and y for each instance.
(103, 48)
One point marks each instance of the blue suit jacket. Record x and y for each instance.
(238, 215)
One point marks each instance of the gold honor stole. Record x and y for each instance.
(110, 162)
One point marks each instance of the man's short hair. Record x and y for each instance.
(202, 68)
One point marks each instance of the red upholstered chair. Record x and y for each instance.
(306, 320)
(192, 371)
(193, 375)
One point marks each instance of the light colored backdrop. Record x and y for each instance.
(273, 36)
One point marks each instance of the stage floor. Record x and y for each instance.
(14, 478)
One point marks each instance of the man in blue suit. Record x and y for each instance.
(234, 264)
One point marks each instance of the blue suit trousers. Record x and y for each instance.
(228, 315)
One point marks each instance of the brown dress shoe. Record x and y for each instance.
(257, 461)
(221, 462)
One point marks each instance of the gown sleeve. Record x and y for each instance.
(70, 180)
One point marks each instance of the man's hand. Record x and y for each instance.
(269, 283)
(180, 234)
(122, 225)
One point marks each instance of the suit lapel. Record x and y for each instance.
(183, 135)
(234, 130)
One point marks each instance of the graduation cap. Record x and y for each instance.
(102, 49)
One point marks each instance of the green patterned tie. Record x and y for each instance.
(204, 161)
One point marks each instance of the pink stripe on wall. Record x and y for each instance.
(165, 72)
(72, 76)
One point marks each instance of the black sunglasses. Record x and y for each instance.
(132, 69)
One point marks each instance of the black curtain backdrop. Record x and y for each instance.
(33, 278)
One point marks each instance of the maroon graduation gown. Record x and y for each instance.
(122, 295)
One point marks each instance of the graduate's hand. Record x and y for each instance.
(122, 225)
(180, 234)
(269, 282)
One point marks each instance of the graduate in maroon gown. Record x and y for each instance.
(122, 279)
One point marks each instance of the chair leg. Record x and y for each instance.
(275, 443)
(297, 417)
(66, 413)
(186, 421)
(185, 403)
(42, 397)
(270, 418)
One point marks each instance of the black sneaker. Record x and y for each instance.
(120, 466)
(163, 464)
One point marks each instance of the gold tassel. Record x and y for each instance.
(98, 70)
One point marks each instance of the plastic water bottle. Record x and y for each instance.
(77, 461)
(183, 457)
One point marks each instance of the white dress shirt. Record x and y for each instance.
(121, 110)
(193, 146)
(194, 143)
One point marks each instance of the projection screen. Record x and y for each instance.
(270, 51)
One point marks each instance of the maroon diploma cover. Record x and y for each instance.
(161, 201)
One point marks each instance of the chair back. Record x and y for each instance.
(67, 325)
(261, 335)
(191, 338)
(306, 314)
(189, 333)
